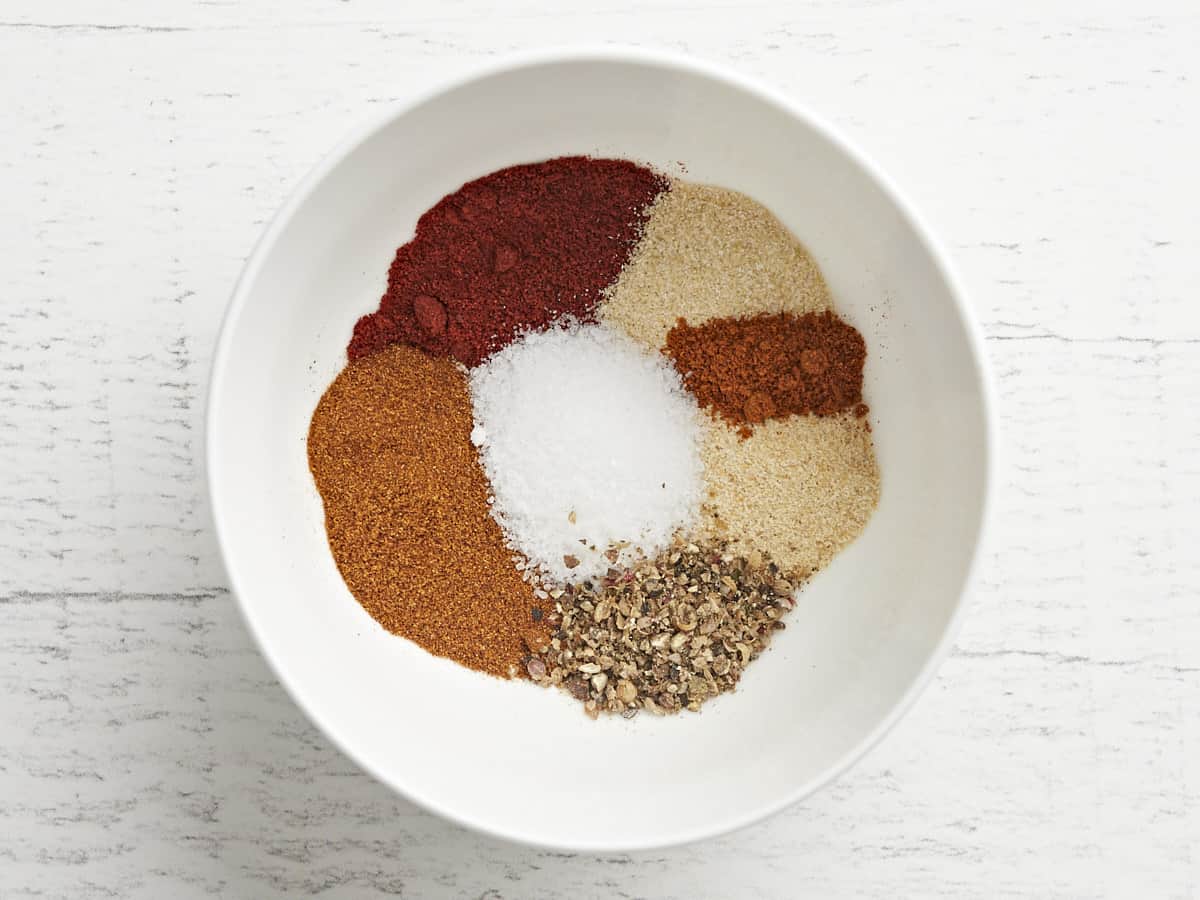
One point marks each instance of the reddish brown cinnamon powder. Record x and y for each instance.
(771, 366)
(407, 517)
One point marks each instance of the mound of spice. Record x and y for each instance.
(748, 370)
(667, 634)
(587, 440)
(710, 252)
(511, 252)
(799, 489)
(406, 512)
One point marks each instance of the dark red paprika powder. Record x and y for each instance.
(771, 366)
(510, 252)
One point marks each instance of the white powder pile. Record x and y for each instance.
(589, 441)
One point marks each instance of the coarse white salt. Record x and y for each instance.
(589, 440)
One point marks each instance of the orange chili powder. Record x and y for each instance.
(407, 517)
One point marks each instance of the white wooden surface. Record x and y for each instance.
(148, 752)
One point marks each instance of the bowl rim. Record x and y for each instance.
(668, 61)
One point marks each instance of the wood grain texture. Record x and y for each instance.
(147, 751)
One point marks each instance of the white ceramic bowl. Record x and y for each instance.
(509, 758)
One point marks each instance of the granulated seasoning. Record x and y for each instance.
(511, 252)
(406, 512)
(709, 252)
(798, 489)
(748, 370)
(586, 440)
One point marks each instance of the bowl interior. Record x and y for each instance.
(511, 758)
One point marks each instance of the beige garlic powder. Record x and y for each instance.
(800, 488)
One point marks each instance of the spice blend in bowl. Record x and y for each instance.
(601, 428)
(867, 632)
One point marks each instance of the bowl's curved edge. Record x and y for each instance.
(679, 62)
